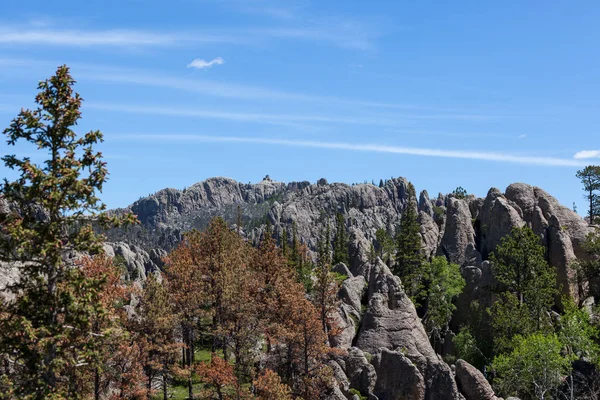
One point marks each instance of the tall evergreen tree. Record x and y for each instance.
(526, 283)
(340, 243)
(590, 178)
(385, 246)
(47, 329)
(410, 259)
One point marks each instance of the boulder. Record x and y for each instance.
(342, 269)
(351, 291)
(347, 319)
(472, 383)
(562, 256)
(397, 377)
(359, 371)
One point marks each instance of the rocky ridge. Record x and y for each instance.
(464, 230)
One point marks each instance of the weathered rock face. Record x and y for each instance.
(472, 383)
(391, 323)
(397, 377)
(359, 371)
(496, 219)
(430, 233)
(459, 233)
(137, 261)
(561, 230)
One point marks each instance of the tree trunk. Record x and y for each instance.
(149, 388)
(591, 206)
(164, 382)
(49, 376)
(190, 360)
(97, 384)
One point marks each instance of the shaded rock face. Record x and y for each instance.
(472, 383)
(397, 377)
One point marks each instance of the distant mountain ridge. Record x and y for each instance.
(465, 230)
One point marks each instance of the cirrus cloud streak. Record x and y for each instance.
(362, 147)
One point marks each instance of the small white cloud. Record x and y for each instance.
(201, 64)
(522, 136)
(581, 155)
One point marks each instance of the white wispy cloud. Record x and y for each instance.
(149, 78)
(390, 121)
(585, 154)
(340, 36)
(201, 64)
(362, 147)
(110, 38)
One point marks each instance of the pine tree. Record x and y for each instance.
(284, 241)
(113, 297)
(409, 265)
(590, 177)
(340, 243)
(527, 286)
(269, 387)
(47, 329)
(385, 246)
(184, 281)
(154, 333)
(326, 285)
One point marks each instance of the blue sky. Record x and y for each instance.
(471, 93)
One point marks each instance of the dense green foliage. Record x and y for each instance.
(533, 369)
(590, 178)
(385, 246)
(588, 269)
(521, 269)
(340, 243)
(445, 283)
(47, 329)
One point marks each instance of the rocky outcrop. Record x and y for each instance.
(391, 323)
(352, 291)
(359, 371)
(389, 366)
(137, 261)
(496, 219)
(472, 383)
(459, 233)
(430, 233)
(425, 204)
